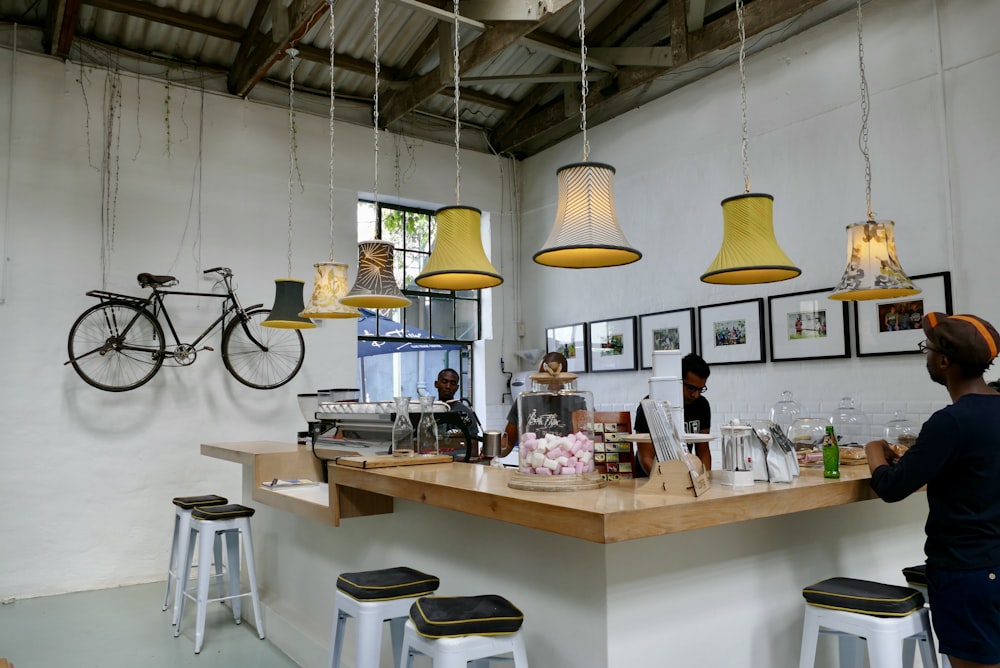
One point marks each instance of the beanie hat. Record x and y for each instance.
(966, 338)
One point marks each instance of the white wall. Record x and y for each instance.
(935, 163)
(86, 476)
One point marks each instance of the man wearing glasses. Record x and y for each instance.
(957, 455)
(697, 415)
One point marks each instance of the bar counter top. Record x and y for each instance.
(615, 513)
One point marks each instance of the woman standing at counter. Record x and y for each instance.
(957, 455)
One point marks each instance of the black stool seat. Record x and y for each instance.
(453, 616)
(864, 597)
(916, 575)
(387, 584)
(228, 512)
(189, 502)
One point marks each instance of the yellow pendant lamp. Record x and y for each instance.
(750, 253)
(586, 233)
(458, 261)
(331, 281)
(288, 291)
(873, 271)
(375, 285)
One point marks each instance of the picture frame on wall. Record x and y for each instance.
(666, 330)
(613, 345)
(807, 326)
(892, 326)
(571, 341)
(732, 333)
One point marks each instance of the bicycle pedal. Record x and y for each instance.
(209, 349)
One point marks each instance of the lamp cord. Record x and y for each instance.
(584, 85)
(458, 125)
(865, 108)
(291, 146)
(378, 69)
(332, 99)
(743, 95)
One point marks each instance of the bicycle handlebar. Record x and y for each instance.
(225, 271)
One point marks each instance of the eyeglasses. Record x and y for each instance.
(923, 347)
(694, 388)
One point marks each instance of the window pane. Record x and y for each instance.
(390, 322)
(366, 221)
(420, 232)
(466, 319)
(443, 317)
(392, 226)
(413, 262)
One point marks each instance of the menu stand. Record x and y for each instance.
(677, 479)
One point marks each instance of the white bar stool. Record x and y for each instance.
(856, 610)
(183, 505)
(916, 577)
(233, 521)
(371, 598)
(460, 631)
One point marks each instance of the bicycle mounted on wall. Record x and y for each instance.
(119, 345)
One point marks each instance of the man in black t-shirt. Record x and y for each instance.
(447, 386)
(697, 415)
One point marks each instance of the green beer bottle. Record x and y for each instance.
(831, 454)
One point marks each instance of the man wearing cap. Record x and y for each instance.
(957, 455)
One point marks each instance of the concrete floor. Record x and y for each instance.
(125, 628)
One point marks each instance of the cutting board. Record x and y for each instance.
(383, 461)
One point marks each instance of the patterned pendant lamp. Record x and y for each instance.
(375, 286)
(331, 281)
(288, 291)
(750, 252)
(458, 261)
(873, 271)
(586, 233)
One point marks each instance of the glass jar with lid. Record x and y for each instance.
(900, 430)
(556, 450)
(785, 411)
(852, 426)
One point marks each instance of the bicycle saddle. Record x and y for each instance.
(151, 281)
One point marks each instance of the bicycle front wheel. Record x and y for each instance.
(116, 346)
(261, 357)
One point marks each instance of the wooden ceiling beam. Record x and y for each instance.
(262, 50)
(60, 26)
(171, 17)
(622, 21)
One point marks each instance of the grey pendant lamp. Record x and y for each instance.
(288, 291)
(586, 233)
(375, 286)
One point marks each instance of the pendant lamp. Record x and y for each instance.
(288, 291)
(873, 271)
(375, 286)
(331, 281)
(750, 252)
(458, 261)
(586, 233)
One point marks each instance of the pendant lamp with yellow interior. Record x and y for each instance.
(873, 271)
(331, 282)
(458, 261)
(375, 286)
(750, 253)
(586, 233)
(288, 291)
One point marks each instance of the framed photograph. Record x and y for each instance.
(571, 341)
(666, 330)
(612, 345)
(807, 326)
(892, 326)
(732, 333)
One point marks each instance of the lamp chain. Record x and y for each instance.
(332, 100)
(743, 94)
(378, 69)
(458, 125)
(865, 108)
(291, 145)
(584, 86)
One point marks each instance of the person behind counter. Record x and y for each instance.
(957, 455)
(447, 386)
(697, 414)
(558, 420)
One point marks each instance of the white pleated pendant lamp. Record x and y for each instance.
(458, 261)
(750, 252)
(375, 286)
(586, 233)
(329, 286)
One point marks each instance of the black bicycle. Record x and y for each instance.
(118, 344)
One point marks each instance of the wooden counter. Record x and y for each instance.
(609, 515)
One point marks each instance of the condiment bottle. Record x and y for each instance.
(831, 454)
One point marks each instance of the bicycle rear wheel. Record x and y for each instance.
(261, 357)
(116, 346)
